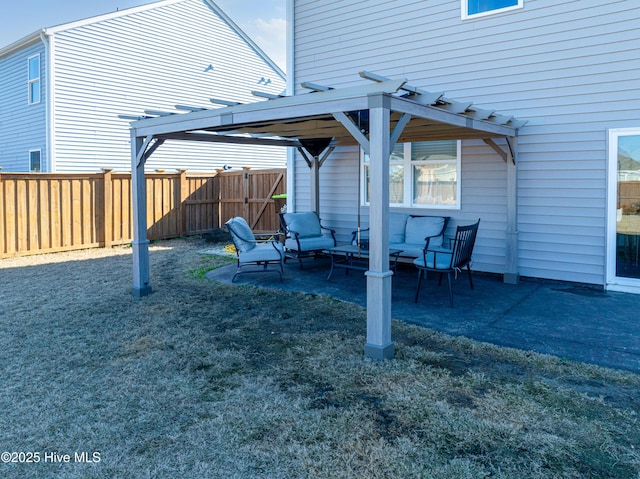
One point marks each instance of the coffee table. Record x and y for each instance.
(351, 257)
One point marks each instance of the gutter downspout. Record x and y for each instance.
(291, 75)
(48, 42)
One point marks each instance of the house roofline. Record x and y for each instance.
(21, 43)
(246, 38)
(35, 36)
(108, 16)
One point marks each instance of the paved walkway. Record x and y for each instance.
(568, 320)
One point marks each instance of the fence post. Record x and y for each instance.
(218, 189)
(245, 189)
(107, 213)
(183, 194)
(3, 228)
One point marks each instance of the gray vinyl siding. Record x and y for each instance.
(569, 68)
(152, 60)
(22, 126)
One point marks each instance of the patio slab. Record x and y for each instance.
(568, 320)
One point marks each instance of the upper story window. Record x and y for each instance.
(421, 175)
(34, 79)
(479, 8)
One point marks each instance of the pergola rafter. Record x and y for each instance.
(374, 115)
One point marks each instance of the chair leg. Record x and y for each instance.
(236, 274)
(419, 282)
(450, 289)
(469, 273)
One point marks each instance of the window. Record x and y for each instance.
(421, 175)
(34, 161)
(34, 79)
(478, 8)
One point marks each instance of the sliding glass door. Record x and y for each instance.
(623, 238)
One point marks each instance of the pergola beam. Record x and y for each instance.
(353, 129)
(240, 140)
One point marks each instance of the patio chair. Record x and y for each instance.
(252, 251)
(449, 261)
(304, 236)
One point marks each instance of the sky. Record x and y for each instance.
(263, 20)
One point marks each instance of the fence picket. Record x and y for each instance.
(51, 212)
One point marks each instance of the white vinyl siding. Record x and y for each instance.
(22, 126)
(153, 59)
(571, 72)
(480, 8)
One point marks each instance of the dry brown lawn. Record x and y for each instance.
(202, 380)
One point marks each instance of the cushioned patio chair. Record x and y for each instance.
(252, 251)
(449, 261)
(304, 235)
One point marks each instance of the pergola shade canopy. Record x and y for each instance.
(374, 115)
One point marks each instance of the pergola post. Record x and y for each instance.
(315, 185)
(511, 274)
(140, 244)
(379, 345)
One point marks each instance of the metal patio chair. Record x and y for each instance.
(449, 261)
(252, 251)
(304, 236)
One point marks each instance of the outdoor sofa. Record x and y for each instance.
(409, 233)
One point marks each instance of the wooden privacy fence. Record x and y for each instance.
(50, 212)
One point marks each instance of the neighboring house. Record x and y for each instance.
(62, 88)
(571, 69)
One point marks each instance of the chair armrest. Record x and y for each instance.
(354, 234)
(451, 243)
(268, 236)
(333, 234)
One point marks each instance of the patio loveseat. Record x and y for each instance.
(409, 233)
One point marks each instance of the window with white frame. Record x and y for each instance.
(34, 161)
(421, 175)
(33, 67)
(478, 8)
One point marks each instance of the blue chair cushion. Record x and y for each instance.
(305, 224)
(435, 260)
(397, 222)
(409, 249)
(262, 252)
(310, 244)
(241, 234)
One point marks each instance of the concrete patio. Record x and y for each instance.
(568, 320)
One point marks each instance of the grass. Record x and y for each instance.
(202, 380)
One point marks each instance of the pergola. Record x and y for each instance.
(373, 115)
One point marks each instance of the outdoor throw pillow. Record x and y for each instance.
(419, 227)
(397, 223)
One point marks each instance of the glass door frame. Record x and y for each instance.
(614, 282)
